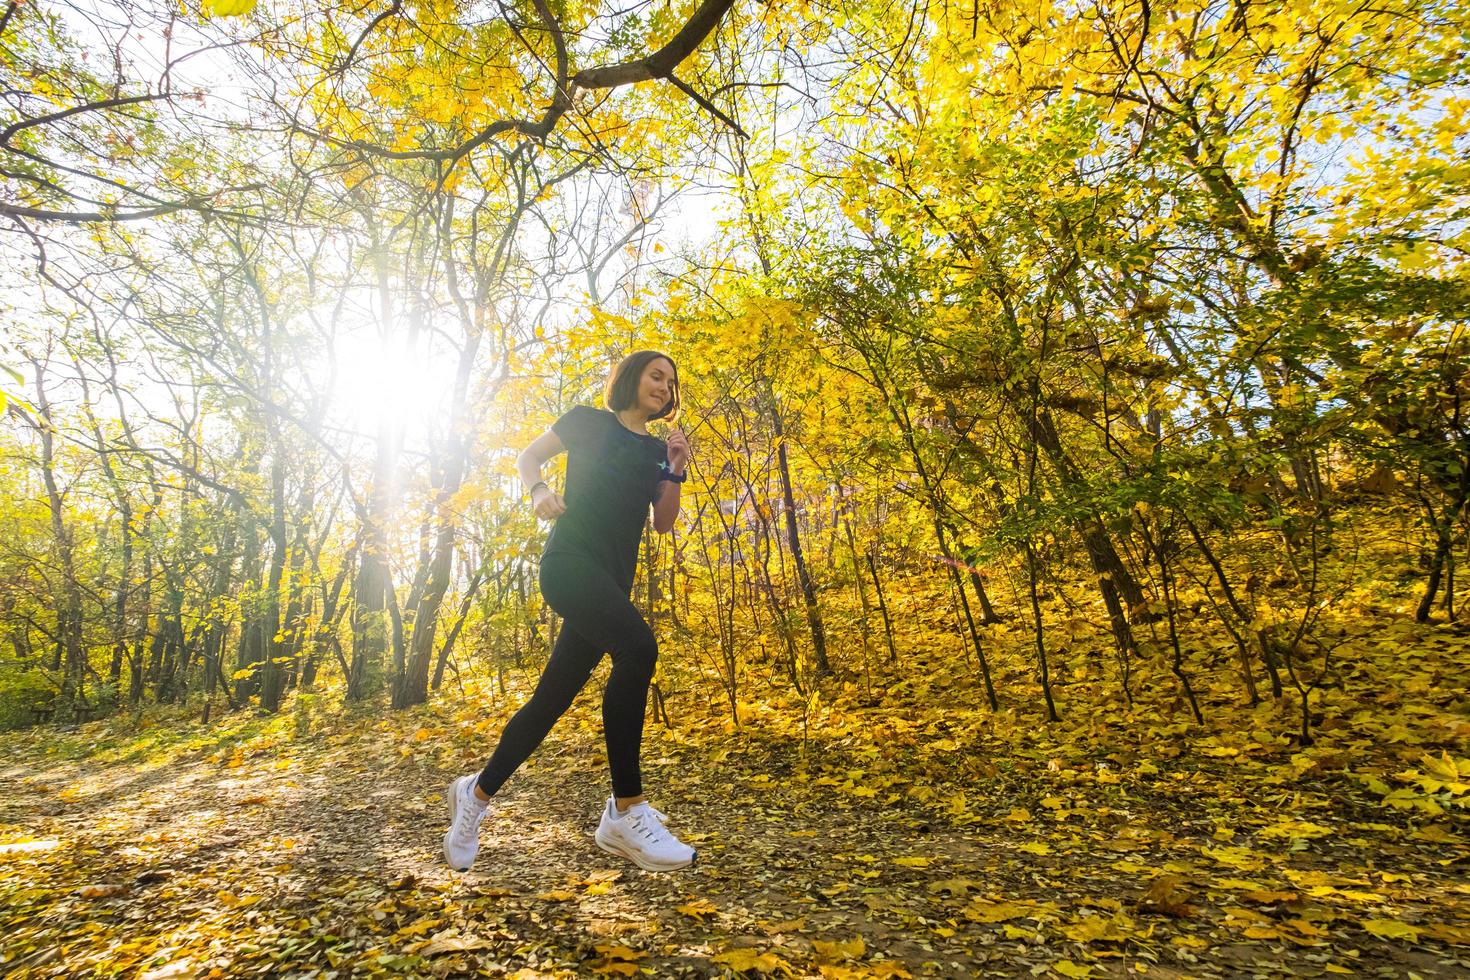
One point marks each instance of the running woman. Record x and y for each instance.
(615, 470)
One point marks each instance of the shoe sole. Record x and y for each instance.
(449, 797)
(612, 847)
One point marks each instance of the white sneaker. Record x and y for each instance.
(462, 840)
(640, 836)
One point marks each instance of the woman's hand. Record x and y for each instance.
(678, 451)
(547, 504)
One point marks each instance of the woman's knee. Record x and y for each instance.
(638, 655)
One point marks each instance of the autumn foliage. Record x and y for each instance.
(1077, 394)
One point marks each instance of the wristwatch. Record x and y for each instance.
(667, 474)
(531, 490)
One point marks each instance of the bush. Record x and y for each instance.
(26, 698)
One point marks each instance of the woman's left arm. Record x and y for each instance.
(666, 500)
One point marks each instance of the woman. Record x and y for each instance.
(615, 469)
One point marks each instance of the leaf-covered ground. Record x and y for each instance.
(899, 829)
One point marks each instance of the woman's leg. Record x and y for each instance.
(625, 699)
(593, 604)
(570, 664)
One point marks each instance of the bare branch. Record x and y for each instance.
(396, 8)
(661, 63)
(14, 128)
(707, 105)
(10, 10)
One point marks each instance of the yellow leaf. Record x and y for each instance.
(1436, 834)
(1069, 969)
(1099, 928)
(1267, 897)
(1297, 830)
(697, 910)
(227, 8)
(418, 928)
(850, 949)
(743, 960)
(1236, 857)
(620, 952)
(955, 886)
(981, 911)
(913, 862)
(1391, 929)
(1035, 847)
(1444, 768)
(1455, 935)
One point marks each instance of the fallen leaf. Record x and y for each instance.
(744, 960)
(850, 949)
(697, 909)
(1099, 928)
(1391, 929)
(1168, 896)
(981, 911)
(1267, 897)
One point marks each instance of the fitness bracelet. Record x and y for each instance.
(531, 491)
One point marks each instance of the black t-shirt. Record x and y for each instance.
(612, 478)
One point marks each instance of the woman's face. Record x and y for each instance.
(656, 386)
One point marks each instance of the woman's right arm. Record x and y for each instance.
(546, 503)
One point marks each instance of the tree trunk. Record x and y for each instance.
(272, 668)
(414, 685)
(1100, 551)
(793, 538)
(252, 646)
(69, 609)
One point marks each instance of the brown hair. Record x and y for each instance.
(622, 385)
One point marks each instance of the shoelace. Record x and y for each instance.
(467, 826)
(653, 829)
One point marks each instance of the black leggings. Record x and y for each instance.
(597, 617)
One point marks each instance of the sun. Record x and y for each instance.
(386, 380)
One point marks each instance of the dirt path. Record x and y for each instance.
(324, 861)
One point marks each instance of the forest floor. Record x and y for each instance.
(901, 829)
